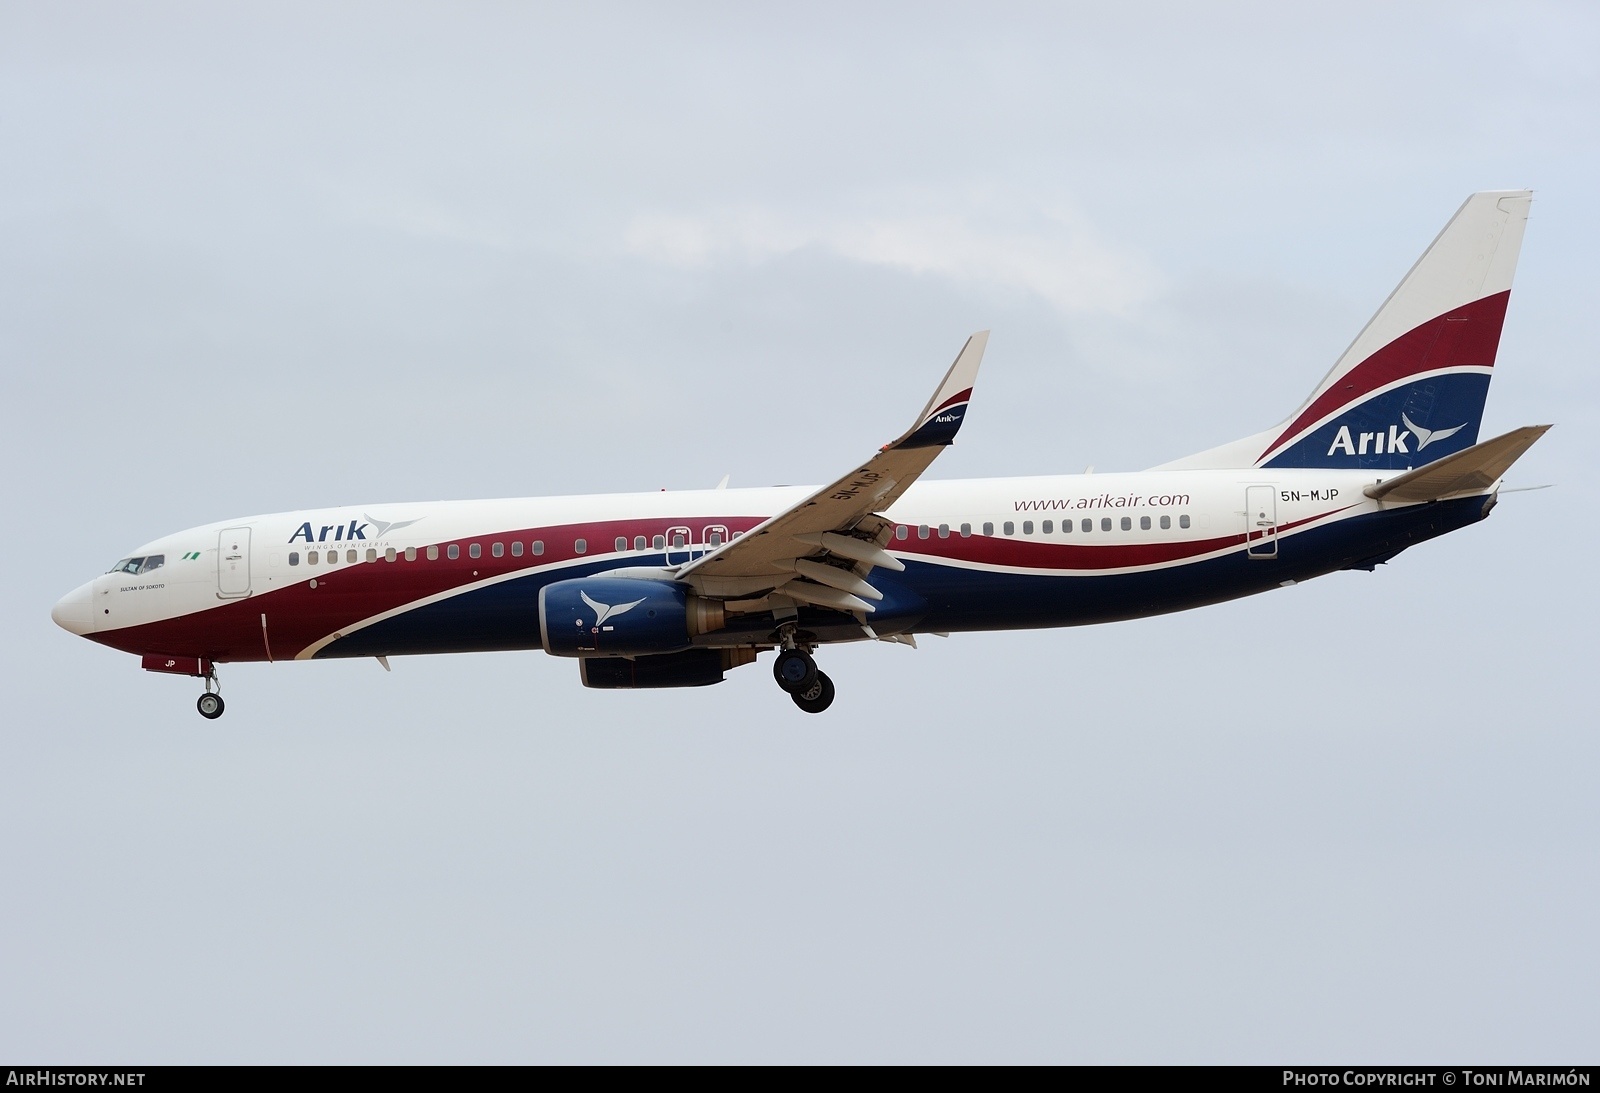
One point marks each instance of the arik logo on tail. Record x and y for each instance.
(1428, 436)
(603, 611)
(1394, 440)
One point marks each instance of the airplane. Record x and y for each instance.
(675, 589)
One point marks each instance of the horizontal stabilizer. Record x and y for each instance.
(1468, 471)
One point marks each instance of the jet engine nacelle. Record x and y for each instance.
(622, 617)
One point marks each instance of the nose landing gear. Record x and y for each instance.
(210, 704)
(797, 674)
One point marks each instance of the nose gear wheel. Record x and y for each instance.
(210, 704)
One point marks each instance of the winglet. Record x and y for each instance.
(829, 518)
(1468, 471)
(941, 418)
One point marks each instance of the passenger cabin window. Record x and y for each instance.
(944, 531)
(294, 557)
(1127, 523)
(1183, 521)
(516, 549)
(714, 539)
(677, 541)
(640, 542)
(1105, 523)
(311, 557)
(1066, 527)
(453, 551)
(372, 554)
(659, 542)
(475, 551)
(1027, 527)
(988, 527)
(538, 547)
(388, 555)
(433, 554)
(1086, 526)
(966, 531)
(581, 546)
(1166, 522)
(1010, 528)
(498, 550)
(1144, 523)
(411, 554)
(1048, 526)
(621, 543)
(922, 531)
(902, 532)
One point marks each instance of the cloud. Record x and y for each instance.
(1056, 256)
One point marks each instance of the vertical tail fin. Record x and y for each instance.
(1411, 387)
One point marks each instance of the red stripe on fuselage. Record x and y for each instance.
(351, 593)
(1075, 556)
(348, 595)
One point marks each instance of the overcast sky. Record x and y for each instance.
(310, 255)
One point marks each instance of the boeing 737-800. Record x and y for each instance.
(674, 589)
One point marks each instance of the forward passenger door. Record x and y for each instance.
(233, 563)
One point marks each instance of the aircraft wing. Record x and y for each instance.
(820, 550)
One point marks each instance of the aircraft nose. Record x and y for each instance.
(74, 611)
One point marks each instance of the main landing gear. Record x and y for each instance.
(797, 674)
(210, 704)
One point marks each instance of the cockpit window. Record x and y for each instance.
(136, 566)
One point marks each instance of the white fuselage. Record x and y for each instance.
(314, 579)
